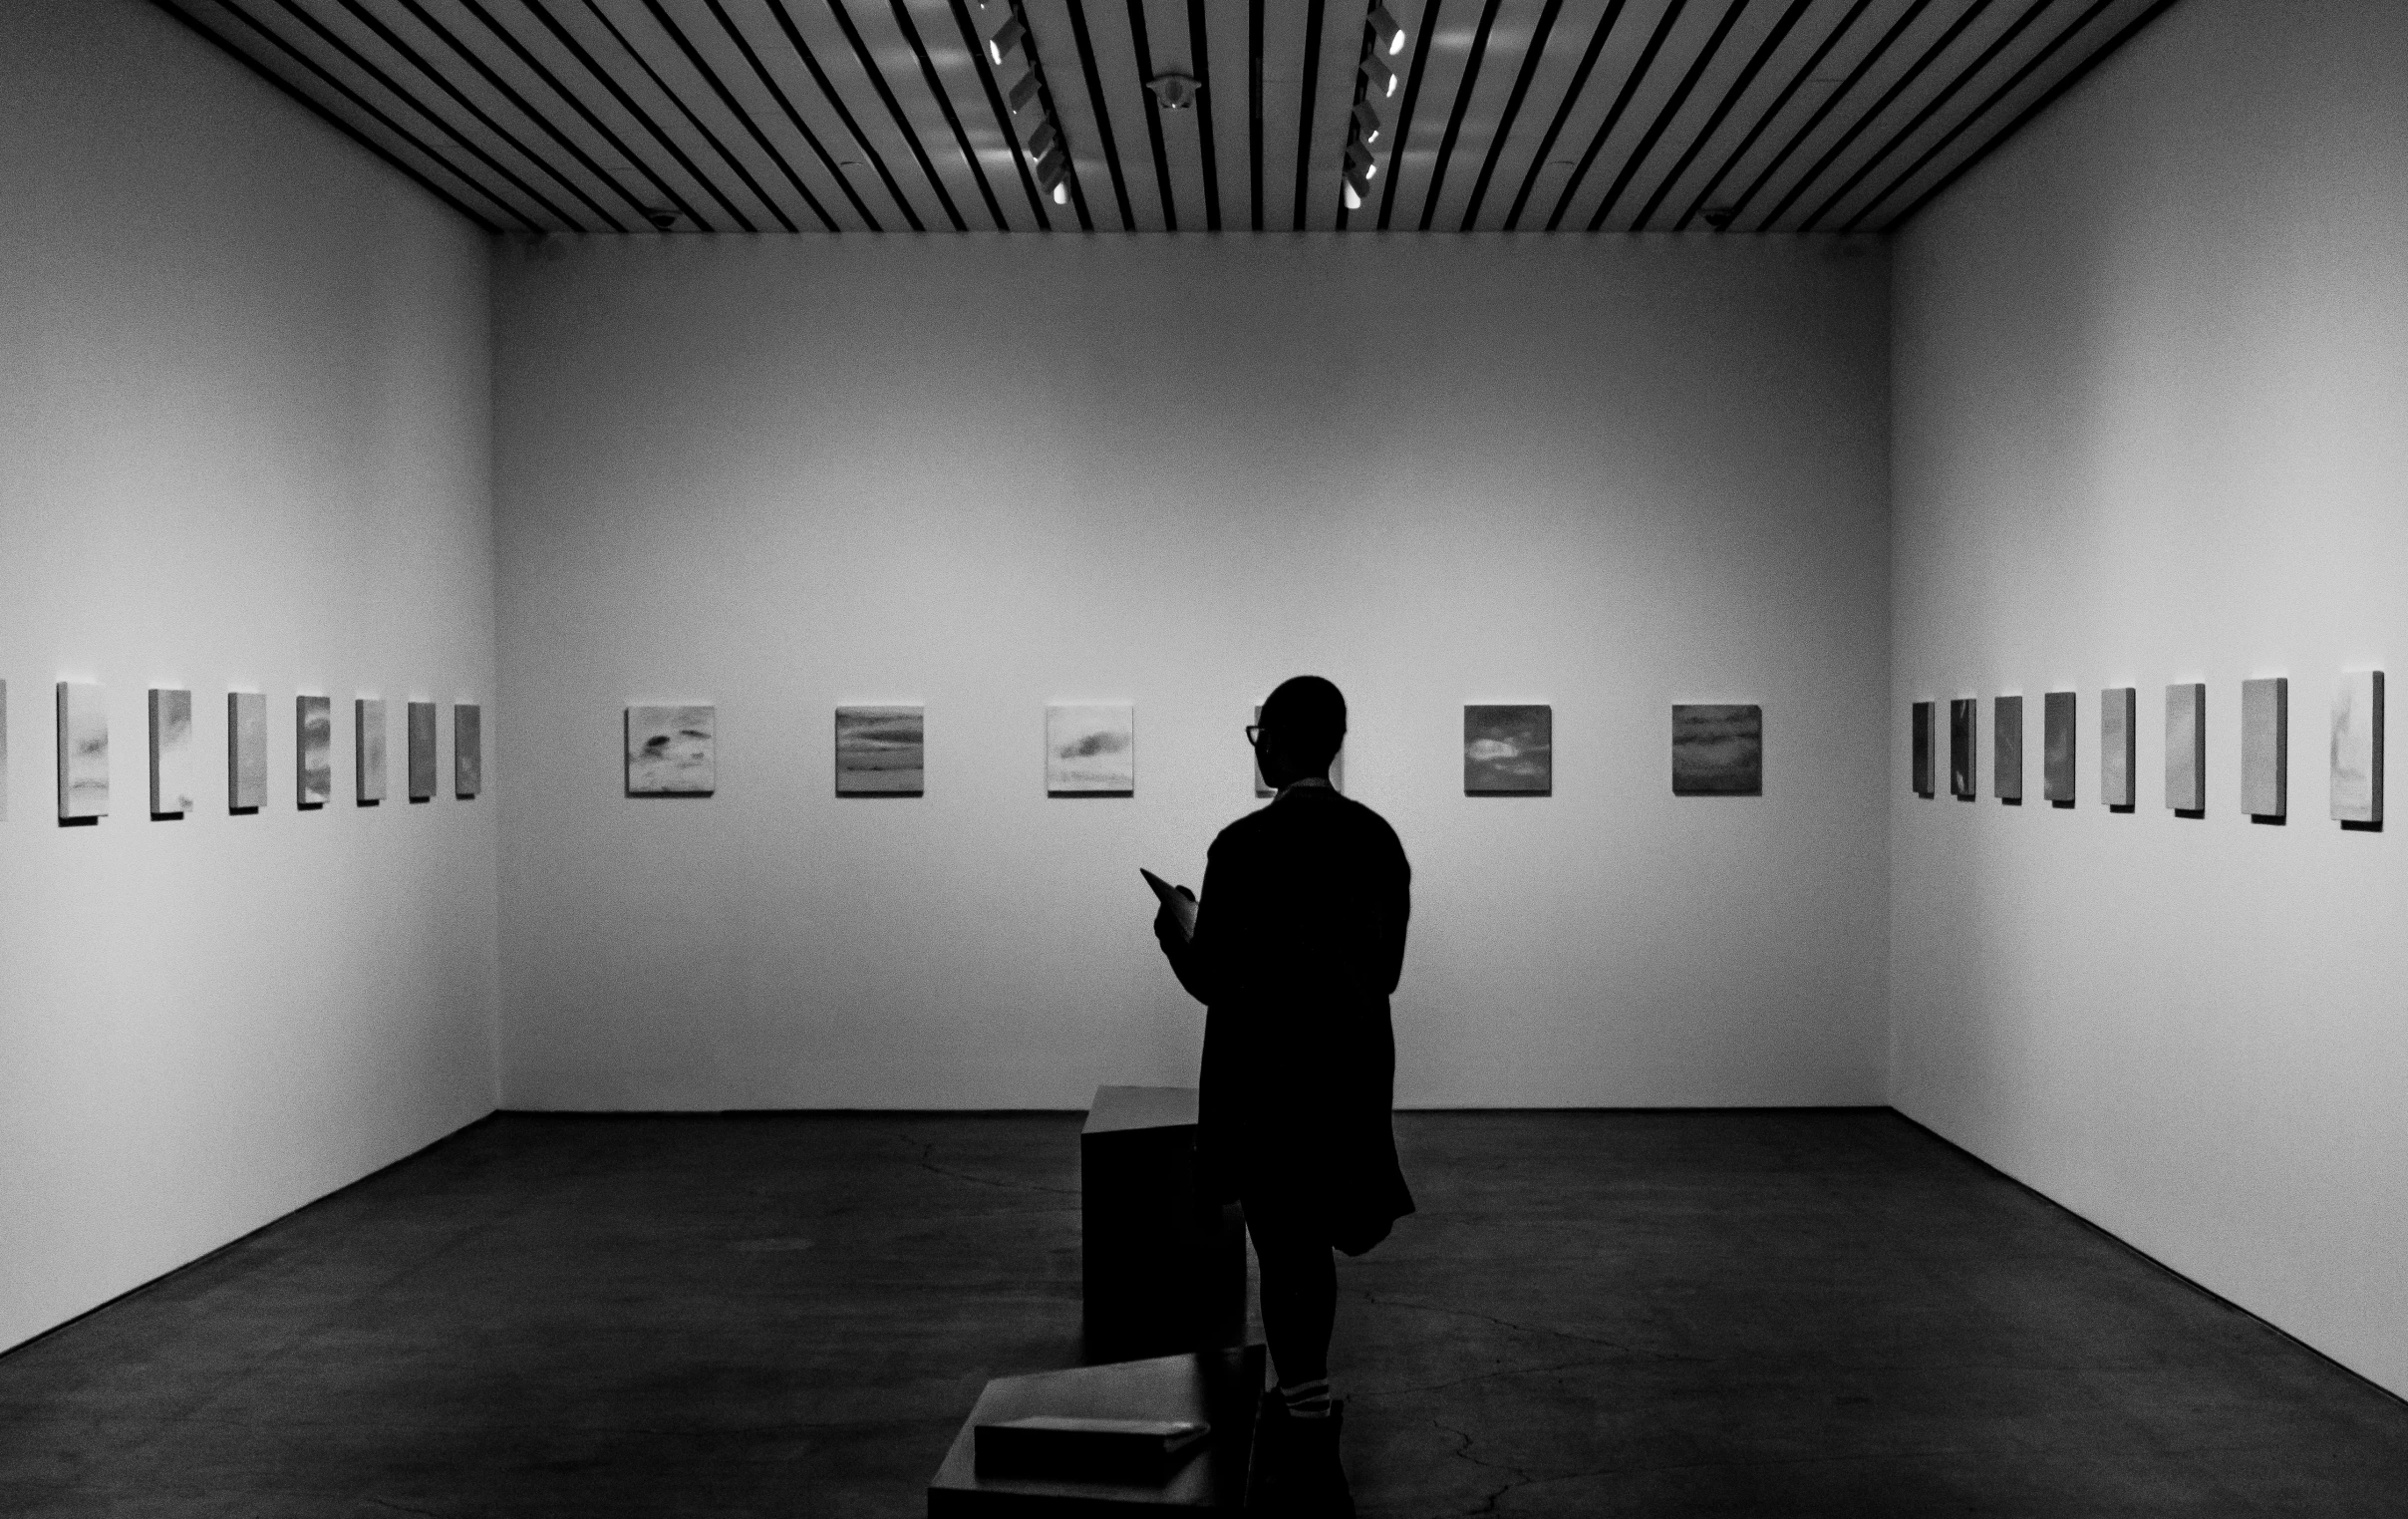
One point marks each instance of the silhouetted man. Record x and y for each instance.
(1299, 941)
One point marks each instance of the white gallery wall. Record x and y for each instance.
(983, 474)
(243, 446)
(2151, 370)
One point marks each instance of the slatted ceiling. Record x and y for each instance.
(854, 116)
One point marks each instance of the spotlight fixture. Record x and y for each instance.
(1042, 140)
(1023, 92)
(1382, 79)
(1384, 26)
(1358, 186)
(1005, 38)
(1718, 216)
(661, 216)
(1368, 119)
(1053, 172)
(1176, 92)
(1360, 157)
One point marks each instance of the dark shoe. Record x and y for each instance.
(1297, 1462)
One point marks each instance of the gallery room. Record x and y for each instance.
(602, 603)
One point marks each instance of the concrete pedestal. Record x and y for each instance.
(1221, 1387)
(1164, 1268)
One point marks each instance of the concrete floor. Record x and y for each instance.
(1750, 1313)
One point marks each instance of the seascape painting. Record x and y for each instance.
(1718, 750)
(1092, 749)
(1508, 750)
(1262, 787)
(367, 740)
(2116, 708)
(2265, 732)
(881, 750)
(2187, 748)
(246, 750)
(2357, 748)
(1925, 782)
(83, 751)
(467, 749)
(170, 753)
(2006, 747)
(1960, 747)
(313, 751)
(672, 750)
(422, 750)
(2057, 710)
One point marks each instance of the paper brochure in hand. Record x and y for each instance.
(1182, 906)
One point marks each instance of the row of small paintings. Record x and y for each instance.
(83, 730)
(2357, 748)
(1092, 750)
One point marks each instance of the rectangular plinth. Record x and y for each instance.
(1218, 1387)
(1163, 1266)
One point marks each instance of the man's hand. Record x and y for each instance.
(1168, 931)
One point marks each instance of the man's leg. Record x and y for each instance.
(1299, 1300)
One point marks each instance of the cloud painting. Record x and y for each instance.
(368, 750)
(2006, 747)
(2057, 746)
(422, 750)
(672, 750)
(1092, 749)
(467, 749)
(83, 751)
(2265, 710)
(170, 753)
(2187, 748)
(2357, 748)
(1718, 750)
(2116, 706)
(1508, 750)
(881, 750)
(313, 751)
(246, 750)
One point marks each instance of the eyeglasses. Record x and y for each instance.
(1254, 734)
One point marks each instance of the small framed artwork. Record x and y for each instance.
(368, 748)
(313, 751)
(1960, 747)
(420, 728)
(2057, 710)
(672, 750)
(170, 753)
(2116, 721)
(1338, 768)
(2187, 748)
(1718, 750)
(246, 750)
(2357, 748)
(2006, 747)
(2265, 732)
(881, 750)
(467, 749)
(1508, 750)
(1091, 749)
(1927, 784)
(83, 751)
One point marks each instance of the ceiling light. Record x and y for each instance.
(1024, 92)
(1004, 40)
(1367, 120)
(1382, 78)
(1050, 165)
(1358, 187)
(1061, 192)
(1360, 157)
(1177, 92)
(1384, 26)
(1043, 138)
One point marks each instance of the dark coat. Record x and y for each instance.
(1298, 942)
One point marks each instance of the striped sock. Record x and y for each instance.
(1307, 1400)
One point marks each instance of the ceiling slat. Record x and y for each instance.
(1820, 117)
